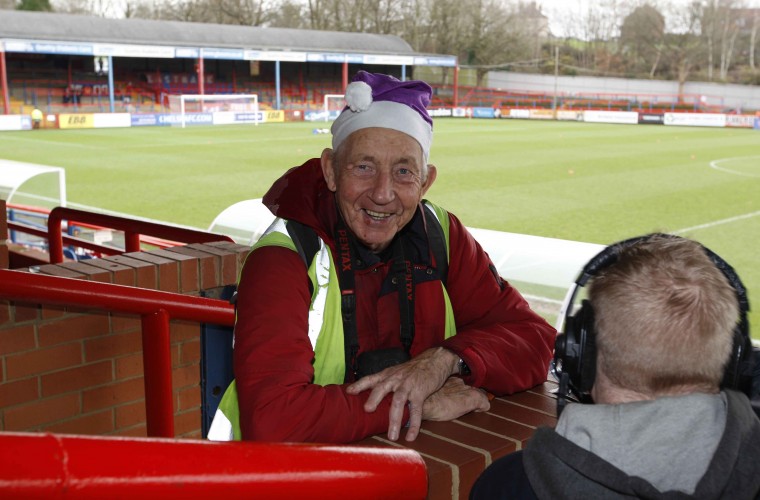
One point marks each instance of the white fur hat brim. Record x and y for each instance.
(384, 114)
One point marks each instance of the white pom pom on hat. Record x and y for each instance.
(358, 96)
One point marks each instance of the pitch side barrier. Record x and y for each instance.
(123, 120)
(686, 119)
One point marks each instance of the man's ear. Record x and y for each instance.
(328, 168)
(430, 179)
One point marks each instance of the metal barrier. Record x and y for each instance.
(133, 229)
(156, 309)
(69, 240)
(60, 466)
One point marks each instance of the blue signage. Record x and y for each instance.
(143, 120)
(222, 54)
(190, 119)
(187, 52)
(319, 116)
(249, 117)
(165, 119)
(483, 113)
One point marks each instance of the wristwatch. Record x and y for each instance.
(464, 370)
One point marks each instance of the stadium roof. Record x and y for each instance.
(23, 25)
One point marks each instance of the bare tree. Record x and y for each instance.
(414, 25)
(684, 48)
(720, 30)
(290, 14)
(594, 30)
(497, 37)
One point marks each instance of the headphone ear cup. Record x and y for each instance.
(587, 340)
(738, 372)
(575, 351)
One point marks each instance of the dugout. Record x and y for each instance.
(62, 62)
(30, 184)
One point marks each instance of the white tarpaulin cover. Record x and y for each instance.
(30, 184)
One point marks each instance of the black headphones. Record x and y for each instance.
(575, 350)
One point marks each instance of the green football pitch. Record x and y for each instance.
(567, 180)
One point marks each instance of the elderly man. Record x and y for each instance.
(663, 330)
(364, 308)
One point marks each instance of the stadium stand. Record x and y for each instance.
(55, 76)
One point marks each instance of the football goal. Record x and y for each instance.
(226, 108)
(334, 104)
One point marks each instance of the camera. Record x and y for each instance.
(376, 361)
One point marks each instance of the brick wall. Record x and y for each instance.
(457, 452)
(73, 371)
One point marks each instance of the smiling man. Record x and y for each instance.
(364, 308)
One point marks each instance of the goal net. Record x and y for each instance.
(227, 108)
(334, 104)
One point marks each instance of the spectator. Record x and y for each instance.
(661, 331)
(36, 118)
(396, 316)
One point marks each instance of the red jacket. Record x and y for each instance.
(506, 345)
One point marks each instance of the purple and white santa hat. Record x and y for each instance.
(377, 100)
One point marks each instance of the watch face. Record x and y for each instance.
(464, 370)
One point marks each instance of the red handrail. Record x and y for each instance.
(156, 309)
(60, 466)
(132, 228)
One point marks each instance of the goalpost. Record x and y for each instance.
(333, 102)
(228, 105)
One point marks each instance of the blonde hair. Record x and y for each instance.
(664, 317)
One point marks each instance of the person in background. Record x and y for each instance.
(396, 315)
(36, 118)
(664, 322)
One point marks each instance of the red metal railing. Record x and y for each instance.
(59, 466)
(132, 228)
(156, 309)
(69, 240)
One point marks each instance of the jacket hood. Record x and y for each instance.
(301, 194)
(558, 468)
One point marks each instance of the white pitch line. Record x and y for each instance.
(718, 222)
(714, 165)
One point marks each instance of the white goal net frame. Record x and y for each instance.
(331, 97)
(244, 103)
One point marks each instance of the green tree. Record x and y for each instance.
(642, 39)
(35, 5)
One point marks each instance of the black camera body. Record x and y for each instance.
(376, 361)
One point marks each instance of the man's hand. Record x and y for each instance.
(412, 381)
(452, 401)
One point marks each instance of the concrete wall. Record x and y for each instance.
(725, 96)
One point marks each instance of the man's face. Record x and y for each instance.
(377, 176)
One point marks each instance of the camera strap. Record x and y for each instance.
(401, 277)
(347, 282)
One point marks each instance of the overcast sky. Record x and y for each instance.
(559, 11)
